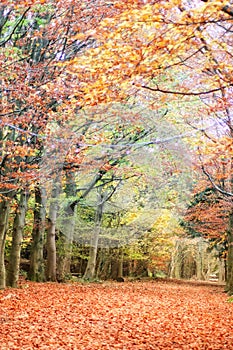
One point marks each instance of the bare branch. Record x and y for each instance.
(15, 27)
(184, 93)
(219, 189)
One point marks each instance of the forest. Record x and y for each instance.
(116, 148)
(116, 180)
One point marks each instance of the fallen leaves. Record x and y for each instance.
(140, 315)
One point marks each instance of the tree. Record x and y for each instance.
(51, 267)
(4, 209)
(36, 272)
(216, 164)
(66, 227)
(207, 215)
(91, 264)
(64, 63)
(17, 237)
(148, 47)
(35, 36)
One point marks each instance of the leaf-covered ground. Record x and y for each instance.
(139, 315)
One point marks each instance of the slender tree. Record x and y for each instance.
(103, 195)
(51, 263)
(66, 228)
(4, 213)
(36, 271)
(17, 237)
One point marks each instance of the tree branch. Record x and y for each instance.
(15, 27)
(219, 189)
(183, 93)
(226, 9)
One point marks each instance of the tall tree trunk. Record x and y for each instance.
(64, 252)
(4, 213)
(199, 260)
(120, 263)
(229, 274)
(222, 270)
(51, 234)
(117, 264)
(17, 237)
(66, 237)
(229, 282)
(177, 261)
(102, 198)
(36, 271)
(91, 265)
(104, 267)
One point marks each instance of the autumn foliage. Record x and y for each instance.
(85, 85)
(208, 215)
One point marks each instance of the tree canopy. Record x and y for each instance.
(110, 111)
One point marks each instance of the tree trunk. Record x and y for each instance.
(17, 237)
(222, 270)
(51, 234)
(91, 265)
(229, 282)
(104, 268)
(36, 271)
(66, 237)
(64, 252)
(199, 260)
(4, 213)
(117, 264)
(120, 264)
(177, 261)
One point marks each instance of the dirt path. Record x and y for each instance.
(137, 315)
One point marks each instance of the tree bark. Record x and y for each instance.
(64, 252)
(104, 268)
(199, 260)
(17, 237)
(229, 282)
(117, 264)
(51, 234)
(4, 213)
(36, 271)
(222, 270)
(67, 231)
(91, 265)
(177, 261)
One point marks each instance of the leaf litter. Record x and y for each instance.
(131, 315)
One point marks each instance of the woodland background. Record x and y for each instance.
(116, 140)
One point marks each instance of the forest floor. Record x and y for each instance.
(139, 315)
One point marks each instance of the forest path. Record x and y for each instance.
(131, 315)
